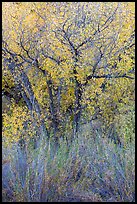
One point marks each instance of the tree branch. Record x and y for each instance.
(106, 76)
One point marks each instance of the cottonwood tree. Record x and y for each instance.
(65, 57)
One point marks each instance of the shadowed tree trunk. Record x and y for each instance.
(26, 90)
(77, 108)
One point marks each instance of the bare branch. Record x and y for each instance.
(107, 76)
(27, 51)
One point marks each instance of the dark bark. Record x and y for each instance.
(26, 90)
(53, 111)
(77, 109)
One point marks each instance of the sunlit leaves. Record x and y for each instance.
(71, 41)
(16, 124)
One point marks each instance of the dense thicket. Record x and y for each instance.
(64, 65)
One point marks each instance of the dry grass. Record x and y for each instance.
(91, 171)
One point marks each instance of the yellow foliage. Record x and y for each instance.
(17, 124)
(40, 27)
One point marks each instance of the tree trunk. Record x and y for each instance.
(25, 86)
(53, 112)
(77, 109)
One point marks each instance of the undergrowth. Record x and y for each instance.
(89, 169)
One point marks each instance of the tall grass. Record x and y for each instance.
(90, 169)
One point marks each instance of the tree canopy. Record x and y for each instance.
(64, 63)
